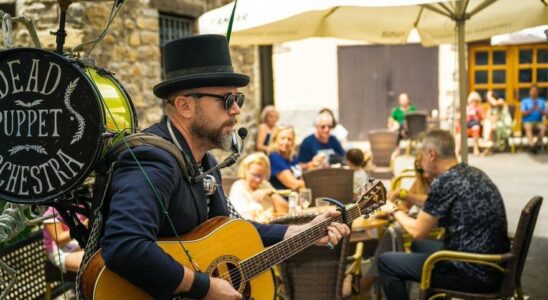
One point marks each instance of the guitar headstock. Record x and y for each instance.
(372, 196)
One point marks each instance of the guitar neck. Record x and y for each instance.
(271, 256)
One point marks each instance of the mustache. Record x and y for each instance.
(230, 122)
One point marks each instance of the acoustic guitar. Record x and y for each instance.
(227, 248)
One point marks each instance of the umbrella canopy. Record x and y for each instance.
(260, 22)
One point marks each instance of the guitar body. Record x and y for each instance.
(217, 246)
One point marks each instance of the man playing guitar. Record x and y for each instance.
(202, 103)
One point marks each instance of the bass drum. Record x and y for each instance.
(57, 119)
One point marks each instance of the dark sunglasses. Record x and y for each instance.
(326, 126)
(228, 98)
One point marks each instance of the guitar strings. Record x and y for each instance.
(235, 273)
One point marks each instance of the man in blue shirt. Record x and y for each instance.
(202, 104)
(463, 200)
(533, 110)
(321, 142)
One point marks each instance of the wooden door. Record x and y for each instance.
(371, 78)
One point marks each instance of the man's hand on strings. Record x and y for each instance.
(221, 289)
(335, 231)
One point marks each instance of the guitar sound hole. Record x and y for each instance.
(228, 268)
(230, 273)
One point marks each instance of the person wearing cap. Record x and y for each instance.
(202, 103)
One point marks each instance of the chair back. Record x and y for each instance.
(336, 183)
(27, 258)
(416, 122)
(383, 143)
(520, 246)
(316, 272)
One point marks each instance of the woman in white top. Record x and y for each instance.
(253, 196)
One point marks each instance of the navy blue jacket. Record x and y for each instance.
(136, 221)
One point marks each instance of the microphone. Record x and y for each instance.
(229, 161)
(234, 145)
(242, 132)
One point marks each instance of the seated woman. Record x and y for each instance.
(392, 240)
(286, 170)
(474, 118)
(61, 250)
(269, 118)
(253, 196)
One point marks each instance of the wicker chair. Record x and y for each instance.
(27, 258)
(510, 263)
(334, 183)
(383, 143)
(319, 272)
(415, 122)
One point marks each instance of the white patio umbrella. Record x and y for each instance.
(260, 22)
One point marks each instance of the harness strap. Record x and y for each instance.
(103, 178)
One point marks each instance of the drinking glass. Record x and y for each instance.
(305, 198)
(319, 202)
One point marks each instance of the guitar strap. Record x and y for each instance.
(103, 178)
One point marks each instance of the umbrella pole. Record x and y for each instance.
(462, 90)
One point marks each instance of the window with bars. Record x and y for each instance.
(173, 27)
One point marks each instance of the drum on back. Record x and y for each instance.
(57, 118)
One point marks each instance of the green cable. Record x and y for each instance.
(230, 22)
(149, 182)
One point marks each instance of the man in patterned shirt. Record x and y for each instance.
(464, 201)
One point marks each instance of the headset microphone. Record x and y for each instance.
(242, 132)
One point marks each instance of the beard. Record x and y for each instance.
(212, 137)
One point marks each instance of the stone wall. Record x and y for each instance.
(131, 49)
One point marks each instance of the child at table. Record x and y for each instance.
(356, 162)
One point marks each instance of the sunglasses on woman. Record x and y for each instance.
(228, 98)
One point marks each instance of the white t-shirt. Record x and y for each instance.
(247, 202)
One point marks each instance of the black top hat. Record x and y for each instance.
(198, 61)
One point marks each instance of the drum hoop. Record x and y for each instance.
(105, 73)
